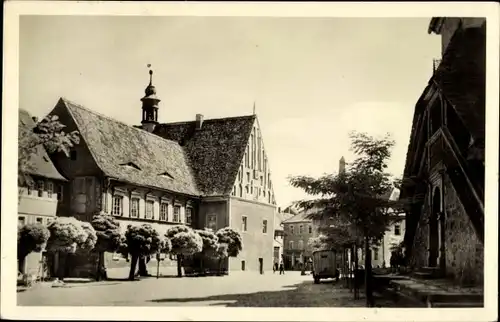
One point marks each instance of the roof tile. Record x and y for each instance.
(215, 151)
(113, 144)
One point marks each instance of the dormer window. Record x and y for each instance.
(166, 175)
(131, 165)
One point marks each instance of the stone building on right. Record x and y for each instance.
(444, 170)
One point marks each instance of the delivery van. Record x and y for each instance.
(324, 265)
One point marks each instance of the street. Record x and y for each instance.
(239, 289)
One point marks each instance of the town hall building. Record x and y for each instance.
(209, 173)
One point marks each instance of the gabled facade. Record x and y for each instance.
(229, 162)
(444, 171)
(172, 173)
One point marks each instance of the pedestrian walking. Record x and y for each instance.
(282, 268)
(275, 267)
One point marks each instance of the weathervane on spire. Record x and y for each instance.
(150, 74)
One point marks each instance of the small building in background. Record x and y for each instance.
(298, 230)
(279, 234)
(39, 199)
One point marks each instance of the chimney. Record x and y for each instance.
(35, 119)
(199, 121)
(342, 165)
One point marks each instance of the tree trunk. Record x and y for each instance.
(220, 266)
(179, 265)
(368, 269)
(61, 270)
(100, 273)
(133, 264)
(21, 257)
(356, 284)
(143, 271)
(202, 272)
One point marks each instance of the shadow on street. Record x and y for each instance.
(305, 294)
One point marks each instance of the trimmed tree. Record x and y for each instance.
(140, 242)
(67, 235)
(232, 239)
(109, 237)
(355, 196)
(47, 134)
(185, 242)
(221, 254)
(30, 238)
(210, 246)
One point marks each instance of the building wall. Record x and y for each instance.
(36, 205)
(464, 251)
(450, 25)
(129, 192)
(256, 243)
(390, 238)
(217, 209)
(294, 252)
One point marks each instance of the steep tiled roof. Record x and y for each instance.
(301, 217)
(133, 155)
(461, 76)
(215, 151)
(40, 163)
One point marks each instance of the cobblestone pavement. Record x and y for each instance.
(239, 289)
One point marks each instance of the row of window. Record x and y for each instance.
(244, 224)
(301, 229)
(291, 244)
(257, 191)
(21, 220)
(40, 187)
(117, 210)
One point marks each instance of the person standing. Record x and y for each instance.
(282, 268)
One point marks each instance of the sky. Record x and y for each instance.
(313, 80)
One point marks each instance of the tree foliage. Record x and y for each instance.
(221, 251)
(210, 242)
(108, 232)
(49, 134)
(67, 234)
(31, 238)
(233, 240)
(141, 241)
(166, 246)
(185, 241)
(356, 198)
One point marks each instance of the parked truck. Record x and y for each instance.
(324, 265)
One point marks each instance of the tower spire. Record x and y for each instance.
(342, 165)
(150, 105)
(253, 107)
